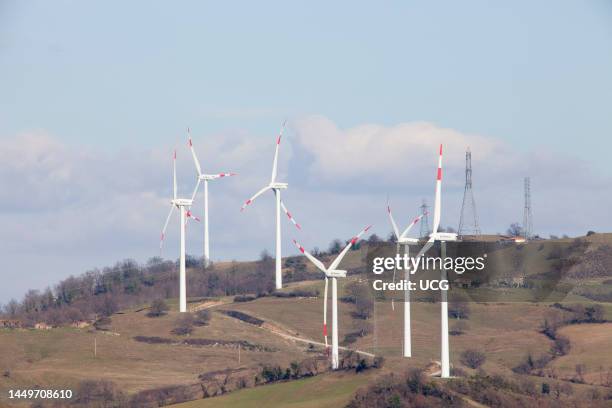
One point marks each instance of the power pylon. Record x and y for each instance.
(424, 232)
(527, 216)
(468, 222)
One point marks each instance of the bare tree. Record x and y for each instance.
(515, 230)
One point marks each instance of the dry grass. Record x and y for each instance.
(591, 345)
(63, 357)
(505, 332)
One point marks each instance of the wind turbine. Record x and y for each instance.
(276, 188)
(332, 273)
(441, 237)
(183, 205)
(204, 178)
(403, 239)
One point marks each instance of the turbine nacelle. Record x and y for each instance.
(181, 202)
(444, 236)
(336, 273)
(278, 186)
(407, 241)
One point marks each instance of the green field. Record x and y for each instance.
(322, 391)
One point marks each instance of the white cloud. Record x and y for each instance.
(383, 155)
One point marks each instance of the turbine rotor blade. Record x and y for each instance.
(174, 174)
(297, 225)
(425, 248)
(275, 162)
(257, 194)
(189, 215)
(393, 224)
(412, 224)
(195, 190)
(220, 175)
(338, 259)
(163, 233)
(193, 153)
(311, 258)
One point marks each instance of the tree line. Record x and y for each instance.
(102, 292)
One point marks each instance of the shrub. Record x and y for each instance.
(244, 298)
(549, 329)
(363, 328)
(184, 325)
(473, 358)
(378, 362)
(243, 316)
(162, 396)
(594, 313)
(182, 330)
(459, 310)
(335, 247)
(458, 372)
(202, 317)
(349, 338)
(158, 308)
(561, 346)
(272, 373)
(459, 328)
(98, 393)
(296, 293)
(105, 305)
(153, 340)
(102, 323)
(530, 363)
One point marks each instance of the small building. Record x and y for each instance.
(80, 324)
(42, 326)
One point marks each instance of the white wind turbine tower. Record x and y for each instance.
(403, 239)
(204, 178)
(332, 273)
(441, 237)
(276, 187)
(183, 205)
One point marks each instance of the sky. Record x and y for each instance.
(96, 95)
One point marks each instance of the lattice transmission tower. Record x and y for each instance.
(527, 216)
(468, 222)
(424, 210)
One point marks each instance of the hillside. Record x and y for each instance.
(139, 358)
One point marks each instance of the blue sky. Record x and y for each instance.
(112, 85)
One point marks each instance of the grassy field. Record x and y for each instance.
(505, 331)
(323, 391)
(62, 357)
(591, 345)
(302, 317)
